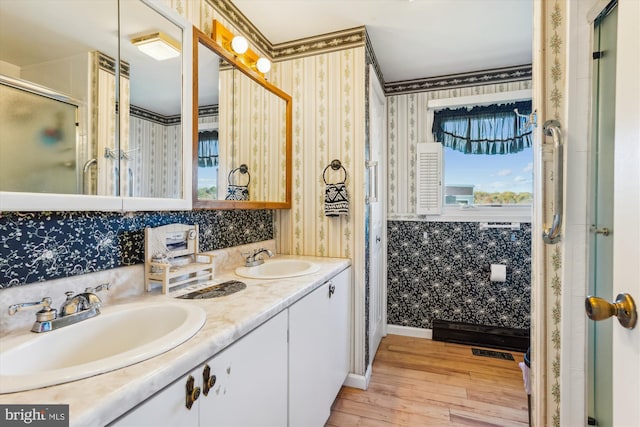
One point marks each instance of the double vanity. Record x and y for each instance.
(274, 353)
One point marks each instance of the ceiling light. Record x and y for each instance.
(239, 45)
(158, 45)
(263, 65)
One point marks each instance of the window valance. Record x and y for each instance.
(208, 149)
(492, 129)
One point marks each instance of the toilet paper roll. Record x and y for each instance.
(498, 272)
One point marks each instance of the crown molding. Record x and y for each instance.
(476, 78)
(330, 42)
(152, 116)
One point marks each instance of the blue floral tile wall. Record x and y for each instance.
(35, 247)
(442, 276)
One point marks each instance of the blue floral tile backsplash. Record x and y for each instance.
(436, 270)
(41, 246)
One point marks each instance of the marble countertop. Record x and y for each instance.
(99, 400)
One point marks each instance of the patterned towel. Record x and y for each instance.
(336, 200)
(237, 192)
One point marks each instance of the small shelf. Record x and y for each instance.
(172, 257)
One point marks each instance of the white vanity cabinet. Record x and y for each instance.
(250, 387)
(287, 371)
(319, 350)
(251, 380)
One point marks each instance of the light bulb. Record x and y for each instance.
(239, 45)
(263, 65)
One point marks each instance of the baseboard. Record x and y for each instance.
(409, 331)
(359, 381)
(481, 335)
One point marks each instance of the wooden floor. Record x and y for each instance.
(420, 382)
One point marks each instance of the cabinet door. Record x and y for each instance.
(165, 408)
(339, 359)
(251, 380)
(319, 335)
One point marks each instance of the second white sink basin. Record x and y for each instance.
(119, 337)
(279, 269)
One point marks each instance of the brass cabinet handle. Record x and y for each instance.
(208, 380)
(624, 308)
(332, 289)
(193, 393)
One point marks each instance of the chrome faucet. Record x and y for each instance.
(252, 259)
(73, 310)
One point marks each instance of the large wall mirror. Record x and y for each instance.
(91, 105)
(241, 134)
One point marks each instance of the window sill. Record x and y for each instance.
(477, 214)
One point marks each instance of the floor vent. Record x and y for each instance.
(494, 354)
(482, 336)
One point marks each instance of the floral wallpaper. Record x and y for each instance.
(436, 271)
(35, 247)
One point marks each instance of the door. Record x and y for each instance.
(377, 276)
(626, 242)
(625, 343)
(251, 380)
(601, 238)
(319, 344)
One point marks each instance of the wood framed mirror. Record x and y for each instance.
(241, 133)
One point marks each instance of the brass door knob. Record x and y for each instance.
(208, 380)
(193, 393)
(624, 308)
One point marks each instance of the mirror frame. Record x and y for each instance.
(200, 37)
(52, 202)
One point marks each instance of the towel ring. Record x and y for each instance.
(242, 169)
(335, 165)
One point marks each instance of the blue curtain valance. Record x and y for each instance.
(492, 129)
(208, 149)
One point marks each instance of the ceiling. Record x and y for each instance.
(412, 39)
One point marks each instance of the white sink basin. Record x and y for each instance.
(120, 336)
(279, 269)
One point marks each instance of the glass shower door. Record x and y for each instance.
(601, 242)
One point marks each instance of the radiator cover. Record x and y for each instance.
(481, 335)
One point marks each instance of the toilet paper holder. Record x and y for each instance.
(487, 269)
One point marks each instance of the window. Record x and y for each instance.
(208, 164)
(487, 155)
(484, 160)
(480, 179)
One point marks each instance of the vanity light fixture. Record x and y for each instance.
(157, 45)
(263, 65)
(239, 45)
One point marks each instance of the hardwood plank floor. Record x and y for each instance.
(420, 382)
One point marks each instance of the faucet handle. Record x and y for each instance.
(45, 314)
(99, 288)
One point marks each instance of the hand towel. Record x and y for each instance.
(336, 199)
